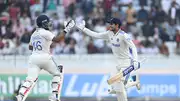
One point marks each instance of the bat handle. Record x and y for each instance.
(60, 67)
(128, 70)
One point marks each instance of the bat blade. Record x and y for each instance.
(119, 75)
(115, 78)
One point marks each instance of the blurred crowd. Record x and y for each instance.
(151, 23)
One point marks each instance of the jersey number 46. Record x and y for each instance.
(37, 45)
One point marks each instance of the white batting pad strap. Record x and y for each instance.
(22, 90)
(27, 84)
(56, 79)
(56, 83)
(55, 86)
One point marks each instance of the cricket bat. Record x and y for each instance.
(119, 75)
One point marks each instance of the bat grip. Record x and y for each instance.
(60, 67)
(128, 70)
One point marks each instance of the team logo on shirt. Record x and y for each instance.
(116, 45)
(117, 40)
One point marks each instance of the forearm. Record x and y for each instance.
(134, 52)
(59, 37)
(95, 34)
(68, 26)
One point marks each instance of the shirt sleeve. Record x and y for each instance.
(131, 45)
(48, 35)
(103, 35)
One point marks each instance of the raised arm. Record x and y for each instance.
(81, 26)
(68, 26)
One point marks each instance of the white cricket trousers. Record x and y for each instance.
(37, 62)
(119, 87)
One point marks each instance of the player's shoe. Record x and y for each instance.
(19, 98)
(134, 82)
(137, 80)
(138, 86)
(53, 98)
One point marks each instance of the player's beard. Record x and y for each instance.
(111, 28)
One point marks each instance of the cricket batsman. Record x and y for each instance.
(41, 58)
(123, 49)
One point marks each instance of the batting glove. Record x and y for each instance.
(136, 65)
(69, 25)
(81, 25)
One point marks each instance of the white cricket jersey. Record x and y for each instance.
(41, 40)
(122, 46)
(119, 47)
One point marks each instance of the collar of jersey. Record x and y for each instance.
(40, 28)
(117, 32)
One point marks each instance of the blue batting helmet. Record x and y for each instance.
(115, 21)
(43, 21)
